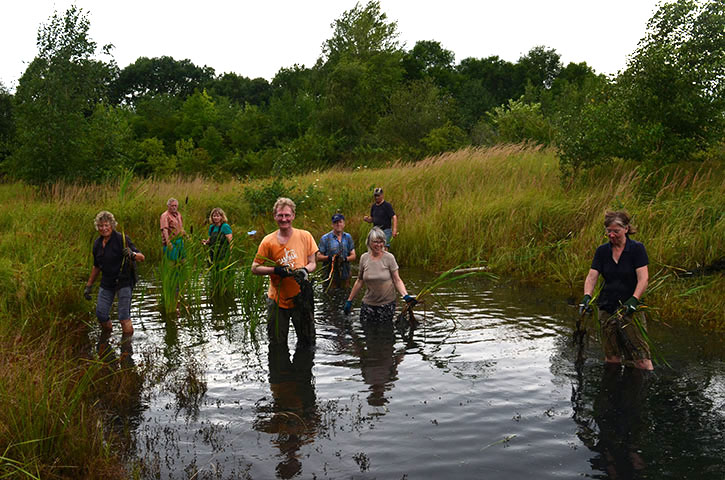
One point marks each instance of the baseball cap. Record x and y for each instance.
(378, 191)
(337, 217)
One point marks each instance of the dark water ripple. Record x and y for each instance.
(488, 386)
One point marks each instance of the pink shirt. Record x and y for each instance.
(171, 226)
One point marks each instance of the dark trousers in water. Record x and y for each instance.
(278, 320)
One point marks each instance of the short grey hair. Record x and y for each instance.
(376, 235)
(105, 217)
(172, 199)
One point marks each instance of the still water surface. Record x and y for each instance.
(488, 386)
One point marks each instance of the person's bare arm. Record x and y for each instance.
(642, 281)
(590, 282)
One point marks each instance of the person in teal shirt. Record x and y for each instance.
(220, 235)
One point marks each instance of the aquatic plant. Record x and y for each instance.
(452, 275)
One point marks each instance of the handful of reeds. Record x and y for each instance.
(455, 274)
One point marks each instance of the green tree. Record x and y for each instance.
(151, 158)
(540, 66)
(414, 111)
(674, 84)
(55, 98)
(428, 59)
(483, 84)
(361, 65)
(241, 90)
(197, 114)
(667, 105)
(361, 33)
(109, 140)
(7, 125)
(520, 122)
(158, 76)
(447, 138)
(158, 117)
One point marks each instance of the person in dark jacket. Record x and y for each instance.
(114, 257)
(623, 264)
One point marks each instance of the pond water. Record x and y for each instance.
(490, 385)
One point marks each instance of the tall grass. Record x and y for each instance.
(506, 206)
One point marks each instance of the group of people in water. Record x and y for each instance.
(289, 255)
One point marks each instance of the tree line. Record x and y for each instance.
(77, 116)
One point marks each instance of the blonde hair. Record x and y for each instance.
(284, 202)
(621, 218)
(220, 212)
(105, 217)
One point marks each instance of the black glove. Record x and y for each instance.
(631, 304)
(410, 300)
(128, 253)
(302, 274)
(584, 306)
(87, 292)
(283, 271)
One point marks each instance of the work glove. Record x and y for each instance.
(410, 300)
(631, 304)
(302, 274)
(584, 306)
(283, 271)
(87, 292)
(128, 253)
(348, 307)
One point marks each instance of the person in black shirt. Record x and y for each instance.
(114, 256)
(383, 216)
(623, 264)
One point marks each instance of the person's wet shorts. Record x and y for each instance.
(105, 302)
(623, 337)
(377, 313)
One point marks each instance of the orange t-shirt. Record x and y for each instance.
(292, 254)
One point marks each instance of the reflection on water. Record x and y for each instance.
(487, 386)
(292, 416)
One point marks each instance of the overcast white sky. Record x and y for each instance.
(256, 38)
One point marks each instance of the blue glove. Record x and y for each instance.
(632, 303)
(584, 306)
(410, 300)
(283, 271)
(348, 307)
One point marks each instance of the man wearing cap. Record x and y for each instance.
(337, 250)
(382, 215)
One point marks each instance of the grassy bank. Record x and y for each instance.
(504, 206)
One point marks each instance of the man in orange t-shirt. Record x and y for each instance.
(293, 252)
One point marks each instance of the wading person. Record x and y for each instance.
(379, 273)
(288, 256)
(623, 264)
(383, 216)
(172, 230)
(114, 257)
(220, 236)
(337, 250)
